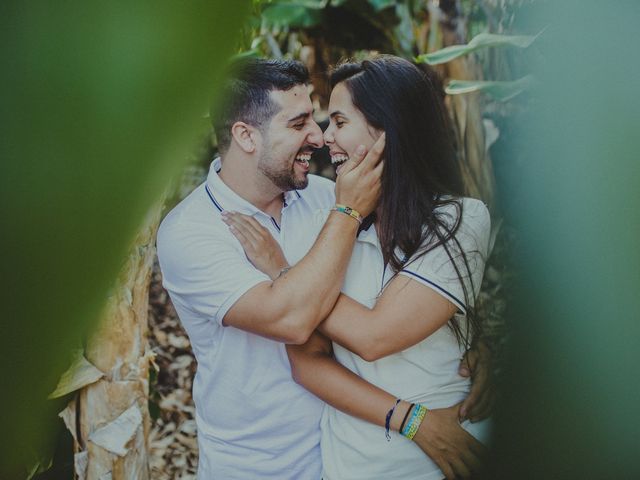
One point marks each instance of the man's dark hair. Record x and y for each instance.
(246, 93)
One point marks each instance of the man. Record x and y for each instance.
(253, 420)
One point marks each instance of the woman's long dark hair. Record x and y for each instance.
(420, 171)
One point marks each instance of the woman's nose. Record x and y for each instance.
(328, 135)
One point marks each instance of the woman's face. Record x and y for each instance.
(347, 127)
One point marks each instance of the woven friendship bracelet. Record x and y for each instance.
(349, 211)
(411, 419)
(419, 413)
(388, 419)
(406, 415)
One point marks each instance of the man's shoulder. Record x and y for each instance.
(192, 218)
(185, 210)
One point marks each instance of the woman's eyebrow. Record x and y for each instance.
(336, 113)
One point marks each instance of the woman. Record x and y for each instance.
(406, 312)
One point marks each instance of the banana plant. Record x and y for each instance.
(498, 90)
(501, 91)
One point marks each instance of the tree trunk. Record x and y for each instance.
(109, 418)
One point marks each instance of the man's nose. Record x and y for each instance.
(315, 136)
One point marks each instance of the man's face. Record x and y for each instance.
(289, 139)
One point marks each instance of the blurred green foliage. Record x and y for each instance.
(101, 103)
(349, 25)
(571, 395)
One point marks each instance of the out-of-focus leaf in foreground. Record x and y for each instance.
(571, 393)
(101, 102)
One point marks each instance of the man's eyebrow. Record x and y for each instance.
(300, 116)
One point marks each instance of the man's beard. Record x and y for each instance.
(284, 178)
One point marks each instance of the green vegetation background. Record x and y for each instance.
(102, 102)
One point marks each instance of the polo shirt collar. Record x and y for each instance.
(291, 196)
(368, 232)
(226, 199)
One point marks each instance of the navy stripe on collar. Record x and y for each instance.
(215, 202)
(213, 199)
(284, 197)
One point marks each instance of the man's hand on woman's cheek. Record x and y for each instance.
(477, 364)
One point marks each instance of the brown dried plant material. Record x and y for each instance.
(109, 419)
(68, 416)
(172, 441)
(80, 374)
(173, 444)
(80, 461)
(466, 111)
(115, 436)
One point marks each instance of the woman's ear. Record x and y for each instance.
(245, 136)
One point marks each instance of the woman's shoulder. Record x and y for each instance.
(474, 212)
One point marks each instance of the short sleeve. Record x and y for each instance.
(205, 270)
(436, 270)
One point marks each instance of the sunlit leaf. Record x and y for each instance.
(482, 40)
(80, 373)
(501, 91)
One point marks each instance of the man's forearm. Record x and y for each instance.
(310, 288)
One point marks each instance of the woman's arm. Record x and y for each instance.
(440, 435)
(314, 367)
(422, 297)
(411, 322)
(406, 313)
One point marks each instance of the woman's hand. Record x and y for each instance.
(261, 248)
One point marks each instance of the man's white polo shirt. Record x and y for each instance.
(254, 421)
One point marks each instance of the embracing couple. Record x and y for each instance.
(328, 320)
